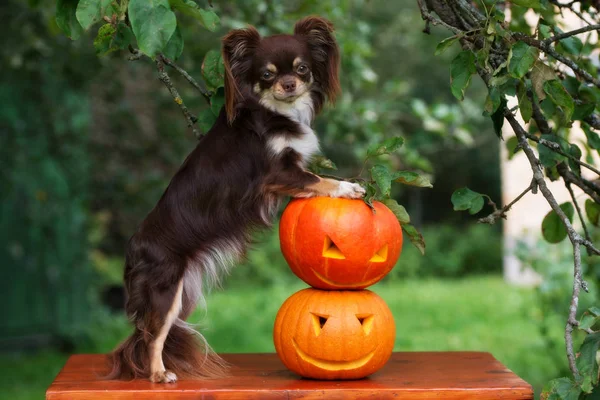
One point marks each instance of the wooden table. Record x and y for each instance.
(447, 375)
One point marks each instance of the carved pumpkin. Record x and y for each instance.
(333, 243)
(326, 334)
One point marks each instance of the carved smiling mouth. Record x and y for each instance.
(345, 285)
(332, 365)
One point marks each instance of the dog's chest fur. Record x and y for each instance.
(300, 111)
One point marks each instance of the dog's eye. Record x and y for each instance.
(267, 75)
(302, 69)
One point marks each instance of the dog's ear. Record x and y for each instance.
(238, 47)
(318, 33)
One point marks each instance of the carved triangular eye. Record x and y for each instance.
(381, 255)
(330, 250)
(366, 320)
(318, 322)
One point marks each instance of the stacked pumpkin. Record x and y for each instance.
(337, 329)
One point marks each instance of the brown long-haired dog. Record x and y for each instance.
(228, 186)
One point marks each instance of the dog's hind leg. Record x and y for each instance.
(158, 373)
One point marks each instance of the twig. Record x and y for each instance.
(572, 318)
(501, 213)
(565, 35)
(164, 77)
(538, 176)
(547, 48)
(205, 93)
(583, 184)
(579, 213)
(436, 21)
(574, 237)
(555, 147)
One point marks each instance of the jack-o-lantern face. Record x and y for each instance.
(334, 334)
(337, 244)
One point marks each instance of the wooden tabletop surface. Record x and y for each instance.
(418, 375)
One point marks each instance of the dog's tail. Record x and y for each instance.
(185, 352)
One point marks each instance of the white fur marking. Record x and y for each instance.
(348, 190)
(210, 265)
(301, 111)
(158, 344)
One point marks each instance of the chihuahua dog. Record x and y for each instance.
(232, 182)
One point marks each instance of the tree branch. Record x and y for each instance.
(547, 48)
(555, 147)
(164, 77)
(205, 93)
(565, 35)
(435, 21)
(501, 213)
(538, 176)
(522, 135)
(579, 213)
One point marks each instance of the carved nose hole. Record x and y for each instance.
(366, 321)
(381, 255)
(319, 322)
(330, 250)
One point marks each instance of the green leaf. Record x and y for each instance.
(415, 237)
(548, 157)
(217, 100)
(445, 44)
(371, 191)
(174, 47)
(411, 178)
(512, 146)
(66, 18)
(206, 120)
(91, 11)
(398, 210)
(544, 31)
(583, 110)
(592, 210)
(559, 96)
(498, 117)
(593, 138)
(540, 74)
(110, 39)
(553, 229)
(207, 18)
(586, 362)
(572, 45)
(388, 146)
(153, 24)
(525, 105)
(589, 318)
(213, 69)
(466, 199)
(492, 101)
(322, 162)
(522, 59)
(574, 151)
(102, 42)
(535, 4)
(123, 38)
(561, 389)
(382, 177)
(461, 69)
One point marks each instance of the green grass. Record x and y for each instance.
(471, 314)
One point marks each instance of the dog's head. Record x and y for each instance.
(281, 68)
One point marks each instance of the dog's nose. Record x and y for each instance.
(289, 85)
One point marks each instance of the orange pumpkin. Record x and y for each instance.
(325, 334)
(333, 243)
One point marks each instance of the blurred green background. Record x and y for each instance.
(88, 144)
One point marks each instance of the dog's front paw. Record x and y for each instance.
(163, 377)
(349, 190)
